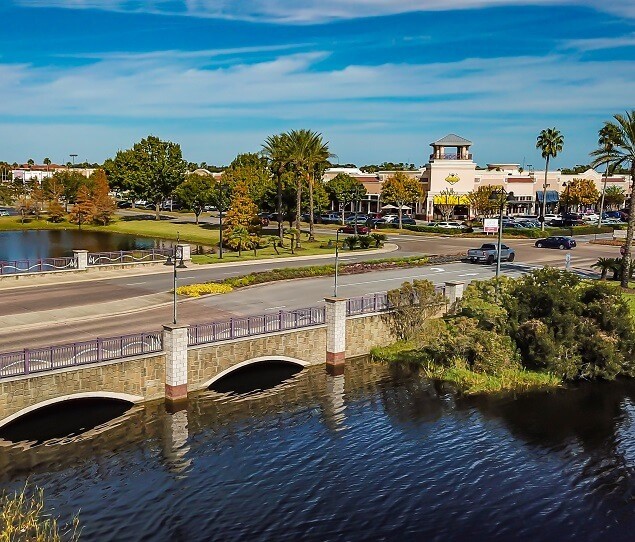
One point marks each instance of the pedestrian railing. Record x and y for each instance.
(35, 360)
(35, 266)
(248, 326)
(129, 256)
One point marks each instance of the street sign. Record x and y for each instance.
(490, 225)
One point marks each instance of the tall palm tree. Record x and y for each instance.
(608, 137)
(550, 142)
(298, 144)
(623, 152)
(317, 152)
(276, 149)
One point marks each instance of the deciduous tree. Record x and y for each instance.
(401, 190)
(103, 204)
(83, 210)
(480, 201)
(580, 192)
(344, 190)
(195, 192)
(151, 170)
(242, 211)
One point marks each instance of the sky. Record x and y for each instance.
(380, 79)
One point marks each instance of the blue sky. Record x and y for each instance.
(380, 79)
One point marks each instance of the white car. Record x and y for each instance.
(447, 225)
(549, 217)
(4, 213)
(591, 218)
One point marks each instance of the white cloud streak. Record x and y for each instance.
(598, 44)
(313, 11)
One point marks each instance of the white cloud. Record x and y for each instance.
(313, 11)
(597, 44)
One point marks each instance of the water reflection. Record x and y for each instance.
(375, 453)
(29, 245)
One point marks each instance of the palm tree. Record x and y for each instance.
(623, 152)
(276, 149)
(608, 137)
(317, 153)
(550, 143)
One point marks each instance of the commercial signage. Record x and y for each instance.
(490, 225)
(452, 178)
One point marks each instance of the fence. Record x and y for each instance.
(129, 256)
(30, 266)
(48, 358)
(236, 328)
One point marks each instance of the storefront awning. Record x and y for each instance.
(552, 196)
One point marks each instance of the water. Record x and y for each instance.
(32, 245)
(378, 453)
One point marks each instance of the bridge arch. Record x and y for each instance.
(253, 361)
(85, 395)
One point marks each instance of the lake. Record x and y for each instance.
(379, 453)
(36, 244)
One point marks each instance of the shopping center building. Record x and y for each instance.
(451, 174)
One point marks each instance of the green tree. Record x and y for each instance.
(276, 151)
(83, 210)
(614, 197)
(251, 170)
(221, 198)
(550, 142)
(608, 137)
(623, 153)
(400, 190)
(195, 192)
(239, 238)
(103, 204)
(344, 190)
(151, 170)
(71, 181)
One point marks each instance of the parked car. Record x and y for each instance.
(331, 218)
(124, 204)
(362, 230)
(556, 241)
(447, 225)
(488, 253)
(592, 217)
(4, 213)
(565, 222)
(360, 219)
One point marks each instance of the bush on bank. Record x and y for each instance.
(540, 329)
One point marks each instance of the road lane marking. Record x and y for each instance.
(437, 269)
(274, 308)
(135, 283)
(469, 275)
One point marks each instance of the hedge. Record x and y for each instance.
(432, 229)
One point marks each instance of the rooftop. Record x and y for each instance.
(452, 140)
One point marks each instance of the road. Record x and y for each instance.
(65, 300)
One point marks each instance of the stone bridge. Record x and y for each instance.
(180, 369)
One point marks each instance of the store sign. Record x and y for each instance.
(490, 225)
(452, 178)
(451, 199)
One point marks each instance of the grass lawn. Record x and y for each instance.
(630, 299)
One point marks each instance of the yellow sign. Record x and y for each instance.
(453, 199)
(452, 178)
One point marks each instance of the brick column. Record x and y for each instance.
(81, 259)
(453, 291)
(335, 331)
(175, 345)
(185, 252)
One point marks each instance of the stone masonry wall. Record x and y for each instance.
(144, 377)
(366, 332)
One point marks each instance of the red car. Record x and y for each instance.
(363, 230)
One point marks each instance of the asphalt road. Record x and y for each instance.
(266, 298)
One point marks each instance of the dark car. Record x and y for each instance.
(556, 242)
(363, 230)
(124, 204)
(566, 222)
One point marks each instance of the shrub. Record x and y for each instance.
(196, 290)
(432, 229)
(414, 302)
(351, 241)
(365, 241)
(379, 238)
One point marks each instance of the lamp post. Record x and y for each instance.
(177, 254)
(337, 255)
(502, 196)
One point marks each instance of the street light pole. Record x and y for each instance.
(337, 254)
(500, 236)
(177, 254)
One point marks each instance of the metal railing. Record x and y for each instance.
(248, 326)
(35, 360)
(367, 304)
(128, 256)
(11, 267)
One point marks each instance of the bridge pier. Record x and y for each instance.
(453, 292)
(335, 334)
(175, 346)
